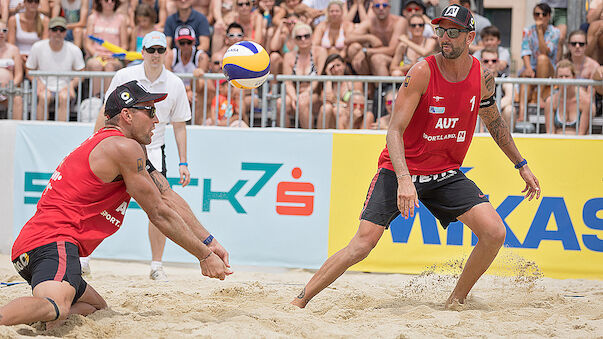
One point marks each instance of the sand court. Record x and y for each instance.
(254, 303)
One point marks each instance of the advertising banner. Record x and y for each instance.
(562, 232)
(263, 194)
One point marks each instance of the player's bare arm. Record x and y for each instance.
(128, 157)
(417, 80)
(176, 202)
(499, 131)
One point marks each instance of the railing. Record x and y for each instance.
(262, 109)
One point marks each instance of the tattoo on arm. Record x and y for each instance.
(160, 181)
(140, 164)
(489, 81)
(496, 125)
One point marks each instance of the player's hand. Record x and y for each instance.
(407, 197)
(185, 176)
(217, 248)
(532, 185)
(214, 267)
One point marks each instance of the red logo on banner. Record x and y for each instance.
(295, 204)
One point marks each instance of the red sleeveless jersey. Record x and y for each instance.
(76, 205)
(440, 131)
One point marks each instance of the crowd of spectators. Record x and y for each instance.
(302, 37)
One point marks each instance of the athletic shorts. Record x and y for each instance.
(447, 195)
(157, 158)
(57, 261)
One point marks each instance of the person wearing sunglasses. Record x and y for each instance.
(86, 202)
(55, 54)
(175, 110)
(373, 42)
(563, 113)
(412, 50)
(186, 15)
(539, 49)
(490, 60)
(332, 33)
(491, 40)
(144, 19)
(382, 122)
(111, 26)
(430, 131)
(576, 46)
(28, 27)
(417, 7)
(282, 42)
(306, 13)
(76, 14)
(185, 58)
(11, 69)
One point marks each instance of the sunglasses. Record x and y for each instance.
(303, 37)
(4, 30)
(151, 50)
(33, 1)
(184, 42)
(540, 14)
(58, 29)
(235, 35)
(241, 4)
(216, 62)
(577, 43)
(490, 61)
(417, 25)
(412, 9)
(358, 105)
(149, 109)
(381, 5)
(388, 102)
(452, 32)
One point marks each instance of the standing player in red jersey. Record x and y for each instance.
(428, 137)
(85, 202)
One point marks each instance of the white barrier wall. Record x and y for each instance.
(263, 193)
(7, 151)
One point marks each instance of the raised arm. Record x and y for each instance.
(497, 127)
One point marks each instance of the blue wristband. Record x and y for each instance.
(183, 164)
(208, 240)
(521, 164)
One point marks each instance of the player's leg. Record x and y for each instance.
(360, 246)
(89, 302)
(157, 239)
(487, 225)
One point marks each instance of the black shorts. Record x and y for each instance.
(58, 261)
(447, 195)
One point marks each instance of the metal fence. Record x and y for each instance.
(267, 105)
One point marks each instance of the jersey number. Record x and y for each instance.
(472, 102)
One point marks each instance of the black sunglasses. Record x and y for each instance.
(241, 4)
(4, 30)
(540, 14)
(577, 43)
(33, 1)
(185, 42)
(417, 25)
(58, 29)
(151, 50)
(452, 32)
(149, 109)
(216, 62)
(490, 61)
(235, 35)
(303, 37)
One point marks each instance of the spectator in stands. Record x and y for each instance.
(575, 120)
(24, 29)
(306, 60)
(412, 50)
(358, 10)
(585, 66)
(481, 22)
(282, 42)
(223, 11)
(559, 20)
(186, 15)
(490, 60)
(306, 14)
(382, 122)
(491, 40)
(373, 42)
(252, 21)
(12, 7)
(595, 31)
(412, 7)
(107, 24)
(11, 68)
(185, 58)
(144, 19)
(76, 14)
(268, 10)
(334, 113)
(159, 7)
(539, 52)
(56, 55)
(332, 33)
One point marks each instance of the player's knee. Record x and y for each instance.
(494, 236)
(59, 309)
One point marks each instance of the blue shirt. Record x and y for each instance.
(196, 20)
(529, 44)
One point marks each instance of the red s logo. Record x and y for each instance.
(295, 204)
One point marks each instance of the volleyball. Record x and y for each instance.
(246, 64)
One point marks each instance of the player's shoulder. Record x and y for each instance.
(120, 147)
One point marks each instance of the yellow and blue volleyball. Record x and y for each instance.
(246, 64)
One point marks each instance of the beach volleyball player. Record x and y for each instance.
(429, 134)
(85, 201)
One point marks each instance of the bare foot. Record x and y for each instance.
(455, 304)
(301, 301)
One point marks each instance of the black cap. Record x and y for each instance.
(457, 14)
(128, 95)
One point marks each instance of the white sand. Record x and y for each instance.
(254, 302)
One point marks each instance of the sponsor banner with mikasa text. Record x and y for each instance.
(264, 194)
(562, 232)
